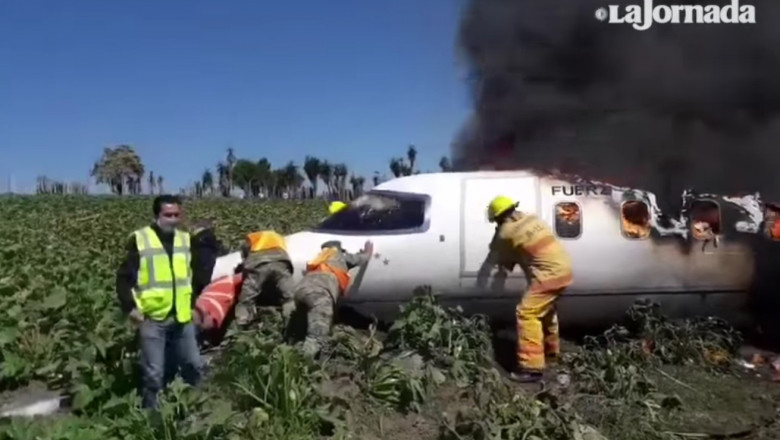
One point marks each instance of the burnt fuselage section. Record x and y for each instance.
(711, 254)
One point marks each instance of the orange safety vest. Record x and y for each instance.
(265, 240)
(320, 264)
(218, 298)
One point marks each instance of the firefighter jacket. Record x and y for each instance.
(526, 240)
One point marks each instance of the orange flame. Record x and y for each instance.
(568, 212)
(635, 217)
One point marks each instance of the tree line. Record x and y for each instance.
(45, 185)
(122, 170)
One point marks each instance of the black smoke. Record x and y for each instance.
(675, 106)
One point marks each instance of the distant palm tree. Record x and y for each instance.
(207, 182)
(152, 182)
(340, 172)
(311, 166)
(230, 160)
(357, 183)
(326, 174)
(160, 184)
(444, 164)
(292, 179)
(245, 176)
(224, 182)
(265, 176)
(411, 154)
(397, 166)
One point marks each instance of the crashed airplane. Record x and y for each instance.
(431, 229)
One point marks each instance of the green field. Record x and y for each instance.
(431, 376)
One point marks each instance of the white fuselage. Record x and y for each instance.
(445, 244)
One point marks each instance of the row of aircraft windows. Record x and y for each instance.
(635, 220)
(393, 212)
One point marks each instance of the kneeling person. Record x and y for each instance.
(267, 270)
(326, 279)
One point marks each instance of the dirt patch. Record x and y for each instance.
(724, 404)
(372, 424)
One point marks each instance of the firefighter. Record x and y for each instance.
(267, 269)
(336, 207)
(326, 279)
(524, 239)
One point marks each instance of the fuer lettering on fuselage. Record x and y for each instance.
(581, 190)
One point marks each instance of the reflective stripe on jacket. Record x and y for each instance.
(328, 261)
(526, 240)
(219, 297)
(161, 277)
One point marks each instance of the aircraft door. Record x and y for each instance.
(477, 233)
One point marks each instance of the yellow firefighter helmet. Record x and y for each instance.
(498, 206)
(336, 206)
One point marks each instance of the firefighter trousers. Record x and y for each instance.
(537, 328)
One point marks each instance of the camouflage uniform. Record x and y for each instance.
(319, 291)
(269, 272)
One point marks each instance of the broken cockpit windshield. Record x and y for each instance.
(379, 211)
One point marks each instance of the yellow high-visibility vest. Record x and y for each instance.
(160, 276)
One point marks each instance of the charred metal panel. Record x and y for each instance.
(701, 248)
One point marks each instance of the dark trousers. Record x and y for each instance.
(167, 347)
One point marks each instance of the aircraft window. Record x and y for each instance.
(772, 222)
(378, 211)
(635, 219)
(568, 222)
(705, 219)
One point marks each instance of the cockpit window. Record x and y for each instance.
(379, 211)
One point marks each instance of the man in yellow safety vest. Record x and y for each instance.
(154, 286)
(523, 239)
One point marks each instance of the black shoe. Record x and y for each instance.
(526, 376)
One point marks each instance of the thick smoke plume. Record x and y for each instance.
(675, 106)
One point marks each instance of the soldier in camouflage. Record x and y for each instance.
(267, 270)
(326, 279)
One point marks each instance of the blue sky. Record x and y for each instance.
(348, 80)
